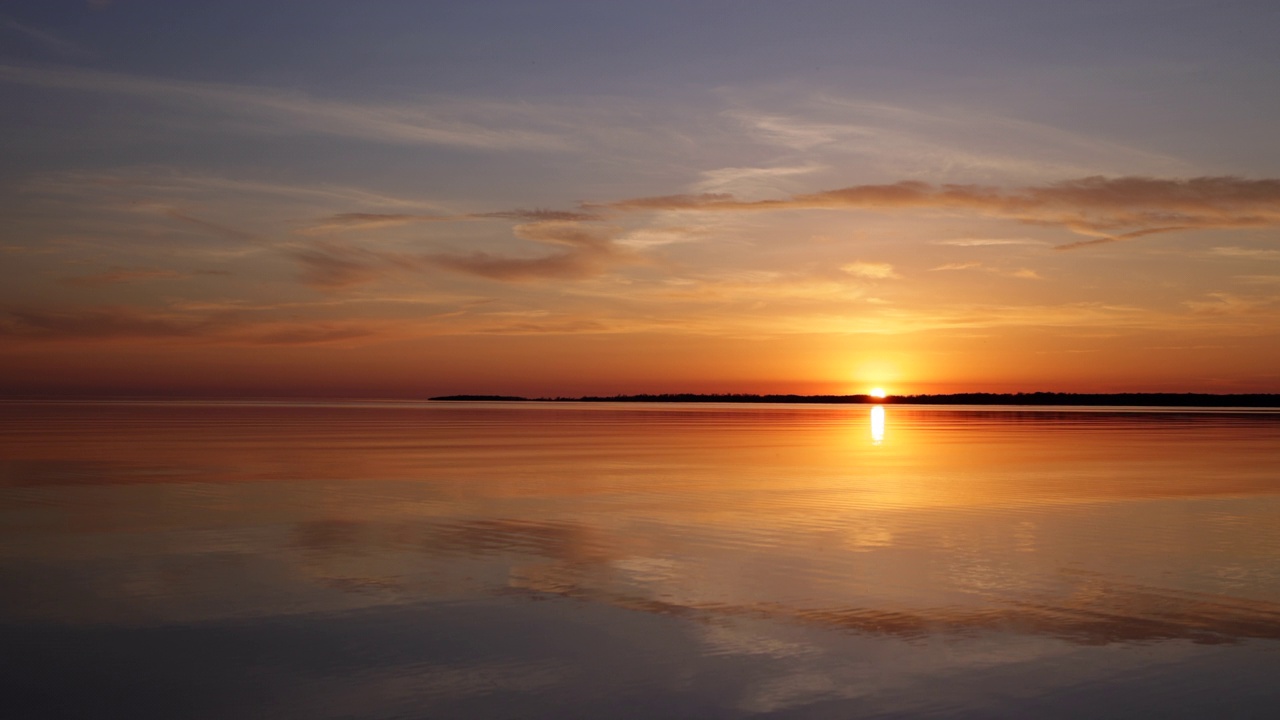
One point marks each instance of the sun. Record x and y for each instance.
(877, 392)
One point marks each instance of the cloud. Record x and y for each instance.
(369, 221)
(1220, 303)
(308, 334)
(129, 275)
(870, 270)
(750, 180)
(536, 215)
(97, 323)
(935, 143)
(1021, 273)
(656, 236)
(453, 124)
(222, 231)
(105, 324)
(331, 267)
(498, 267)
(1105, 209)
(1250, 253)
(162, 180)
(983, 242)
(584, 250)
(588, 251)
(48, 41)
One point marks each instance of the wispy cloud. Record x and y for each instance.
(1249, 253)
(368, 221)
(537, 215)
(210, 227)
(584, 250)
(105, 322)
(329, 267)
(985, 242)
(46, 40)
(870, 270)
(1105, 209)
(1020, 273)
(587, 251)
(164, 181)
(119, 276)
(937, 142)
(751, 181)
(1259, 279)
(443, 123)
(1221, 303)
(371, 221)
(121, 323)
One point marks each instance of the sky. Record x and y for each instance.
(408, 199)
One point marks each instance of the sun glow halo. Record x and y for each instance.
(877, 392)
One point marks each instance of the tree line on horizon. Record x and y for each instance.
(977, 398)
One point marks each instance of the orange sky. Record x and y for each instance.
(1029, 204)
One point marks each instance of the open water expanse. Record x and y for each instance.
(564, 560)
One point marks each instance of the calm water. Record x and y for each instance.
(629, 561)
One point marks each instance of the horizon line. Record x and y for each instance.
(1040, 397)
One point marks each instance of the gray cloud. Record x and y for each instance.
(329, 267)
(104, 324)
(588, 250)
(536, 215)
(1106, 209)
(369, 221)
(46, 40)
(107, 323)
(119, 276)
(222, 231)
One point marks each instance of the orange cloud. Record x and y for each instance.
(871, 270)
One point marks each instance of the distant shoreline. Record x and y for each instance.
(1036, 398)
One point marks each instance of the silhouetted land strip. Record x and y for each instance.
(1036, 398)
(484, 398)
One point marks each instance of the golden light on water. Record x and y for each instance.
(877, 424)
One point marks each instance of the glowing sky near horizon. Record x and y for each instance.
(409, 199)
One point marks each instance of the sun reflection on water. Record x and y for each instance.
(877, 424)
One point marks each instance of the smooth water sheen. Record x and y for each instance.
(565, 560)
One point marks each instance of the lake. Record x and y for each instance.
(563, 560)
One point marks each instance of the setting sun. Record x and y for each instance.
(877, 392)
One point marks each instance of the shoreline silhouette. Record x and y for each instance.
(1260, 400)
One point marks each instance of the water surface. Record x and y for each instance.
(592, 560)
